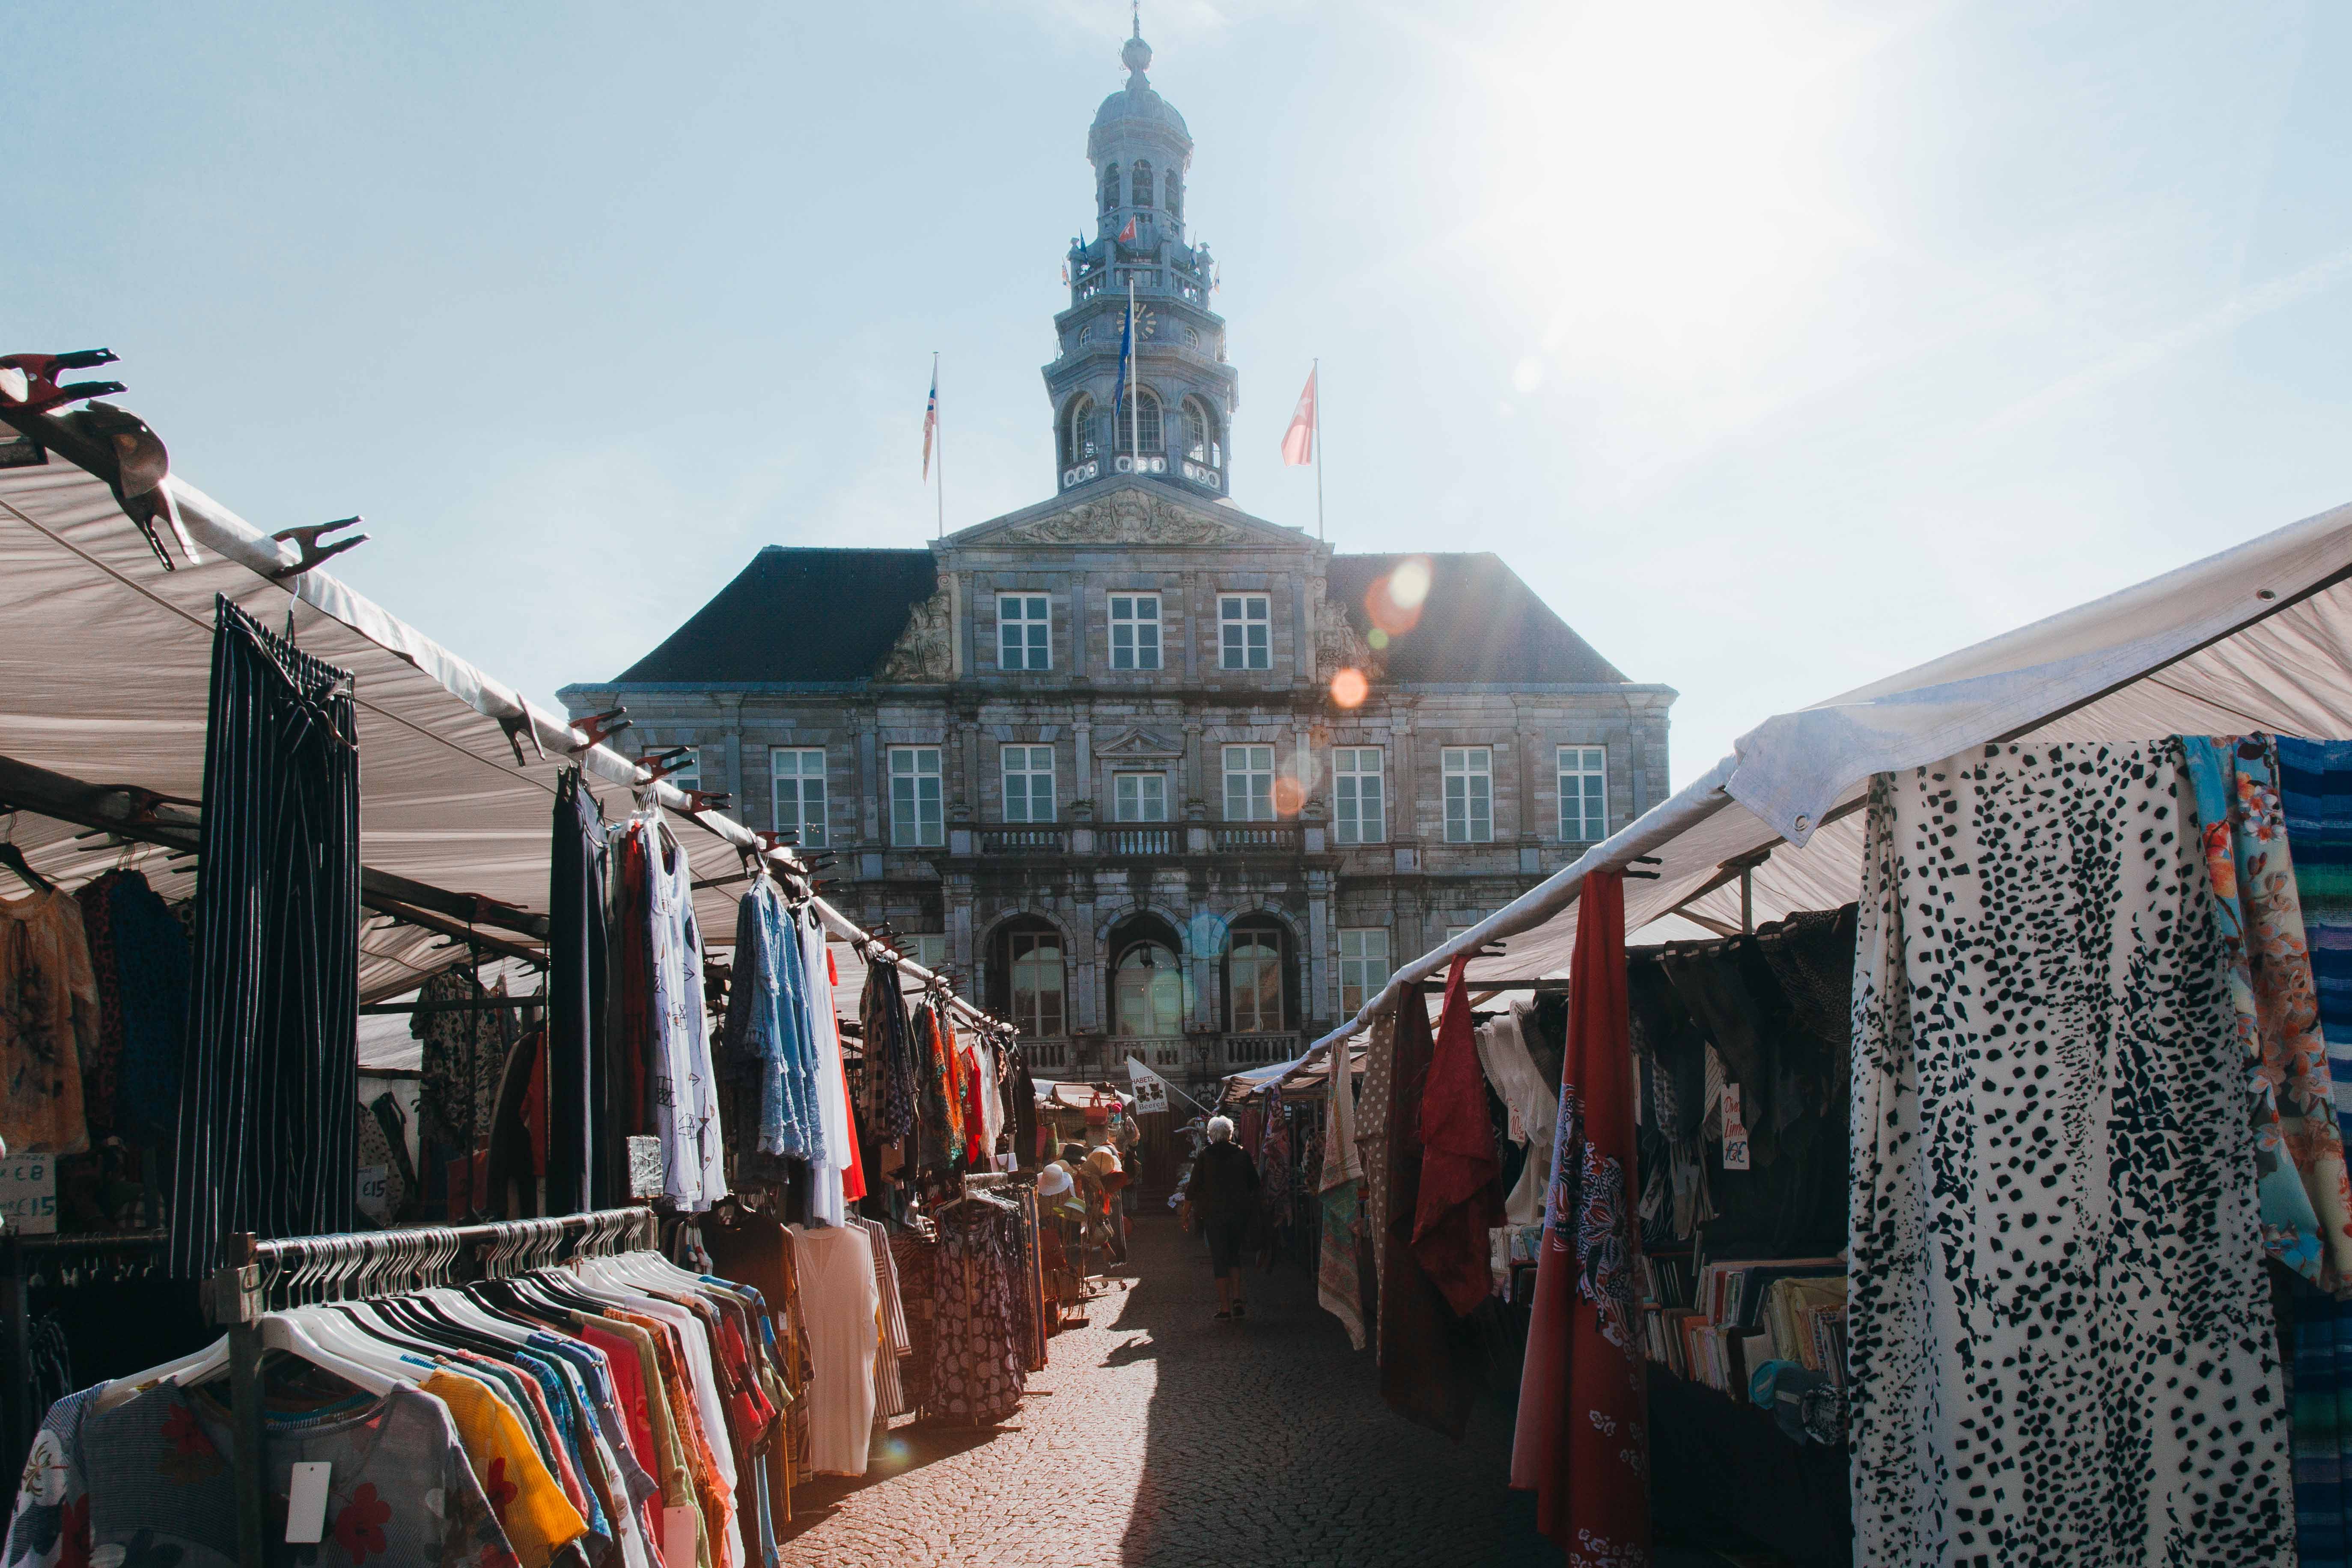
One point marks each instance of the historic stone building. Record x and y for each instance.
(1159, 776)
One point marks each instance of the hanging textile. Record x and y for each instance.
(2307, 1204)
(1372, 1156)
(2050, 1133)
(831, 1164)
(48, 1016)
(1457, 1204)
(1338, 1275)
(1274, 1172)
(580, 1107)
(2315, 802)
(978, 1374)
(887, 1035)
(101, 1050)
(681, 1084)
(1580, 1444)
(765, 1036)
(151, 964)
(1532, 1104)
(462, 1057)
(268, 1116)
(1428, 1361)
(839, 1298)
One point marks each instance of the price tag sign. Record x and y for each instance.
(376, 1191)
(29, 1193)
(1735, 1130)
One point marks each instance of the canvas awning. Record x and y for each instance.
(2256, 637)
(105, 661)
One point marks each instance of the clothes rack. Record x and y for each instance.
(359, 1265)
(19, 1255)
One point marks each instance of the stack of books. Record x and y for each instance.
(1716, 1322)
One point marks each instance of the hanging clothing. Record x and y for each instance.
(977, 1372)
(889, 1390)
(1372, 1111)
(48, 1014)
(2051, 1131)
(837, 1150)
(1533, 1106)
(1339, 1273)
(151, 964)
(1579, 1444)
(2306, 1202)
(681, 1084)
(269, 1116)
(101, 1051)
(1429, 1362)
(1457, 1203)
(891, 1057)
(581, 1108)
(838, 1296)
(766, 1039)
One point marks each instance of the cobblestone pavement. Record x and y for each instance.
(1160, 1438)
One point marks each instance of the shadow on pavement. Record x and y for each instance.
(1266, 1441)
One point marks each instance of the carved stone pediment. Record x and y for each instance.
(1127, 516)
(925, 651)
(1139, 745)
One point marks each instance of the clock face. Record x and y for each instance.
(1146, 324)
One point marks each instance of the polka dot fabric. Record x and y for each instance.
(2061, 1348)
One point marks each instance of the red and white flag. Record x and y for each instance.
(1299, 441)
(931, 418)
(1127, 235)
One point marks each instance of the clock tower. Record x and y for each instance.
(1175, 422)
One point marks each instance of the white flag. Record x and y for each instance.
(1150, 1088)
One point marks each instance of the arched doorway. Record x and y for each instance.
(1149, 998)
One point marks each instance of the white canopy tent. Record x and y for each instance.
(105, 661)
(2256, 637)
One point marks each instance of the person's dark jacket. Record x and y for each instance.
(1223, 1184)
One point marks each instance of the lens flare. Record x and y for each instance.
(1409, 584)
(1349, 687)
(1393, 602)
(1289, 794)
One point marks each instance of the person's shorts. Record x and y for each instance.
(1226, 1240)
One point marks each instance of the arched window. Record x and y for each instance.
(1078, 431)
(1175, 202)
(1139, 186)
(1139, 424)
(1257, 965)
(1201, 433)
(1148, 992)
(1029, 977)
(1110, 186)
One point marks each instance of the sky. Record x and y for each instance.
(1779, 346)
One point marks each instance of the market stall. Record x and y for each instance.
(1997, 913)
(262, 823)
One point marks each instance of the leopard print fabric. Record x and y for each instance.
(2061, 1349)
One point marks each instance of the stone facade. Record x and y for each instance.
(1090, 753)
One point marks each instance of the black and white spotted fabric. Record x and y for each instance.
(2060, 1341)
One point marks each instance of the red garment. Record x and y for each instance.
(1429, 1358)
(1583, 1394)
(1459, 1201)
(975, 1128)
(852, 1180)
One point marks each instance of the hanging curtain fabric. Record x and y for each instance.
(1583, 1392)
(1428, 1363)
(580, 1107)
(269, 1116)
(2061, 1345)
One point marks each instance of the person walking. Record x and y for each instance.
(1223, 1196)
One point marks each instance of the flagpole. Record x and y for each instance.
(1134, 434)
(1318, 374)
(939, 445)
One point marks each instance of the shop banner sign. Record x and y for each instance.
(1150, 1088)
(29, 1193)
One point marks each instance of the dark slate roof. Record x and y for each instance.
(796, 614)
(1481, 623)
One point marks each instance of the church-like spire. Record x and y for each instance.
(1186, 394)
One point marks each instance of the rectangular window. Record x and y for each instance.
(1363, 965)
(796, 775)
(928, 950)
(1249, 784)
(1135, 631)
(1036, 959)
(915, 819)
(1028, 784)
(1140, 797)
(1469, 794)
(1583, 794)
(1245, 627)
(1359, 815)
(1024, 638)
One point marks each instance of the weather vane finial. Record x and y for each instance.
(1135, 13)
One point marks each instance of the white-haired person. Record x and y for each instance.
(1223, 1196)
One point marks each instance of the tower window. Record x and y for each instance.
(1110, 187)
(1200, 433)
(1175, 203)
(1077, 431)
(1139, 424)
(1139, 185)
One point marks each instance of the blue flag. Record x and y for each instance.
(1126, 359)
